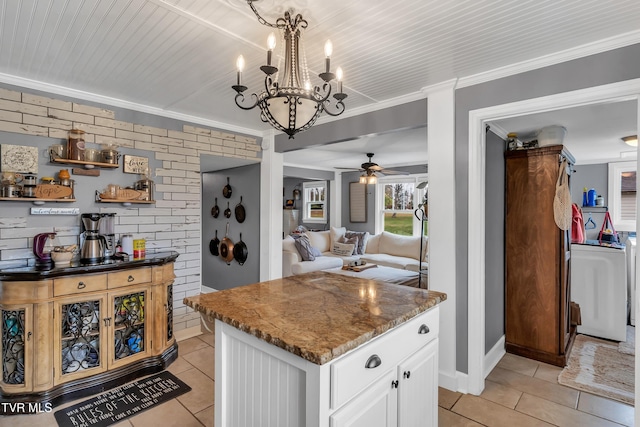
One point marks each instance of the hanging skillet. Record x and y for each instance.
(227, 212)
(240, 251)
(215, 210)
(240, 212)
(213, 245)
(226, 248)
(226, 191)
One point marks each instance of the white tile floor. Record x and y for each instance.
(519, 392)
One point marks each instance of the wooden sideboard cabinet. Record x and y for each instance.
(71, 335)
(537, 259)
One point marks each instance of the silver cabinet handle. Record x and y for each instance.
(373, 362)
(81, 285)
(130, 278)
(424, 329)
(29, 336)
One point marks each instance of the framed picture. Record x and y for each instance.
(135, 164)
(289, 204)
(18, 158)
(357, 202)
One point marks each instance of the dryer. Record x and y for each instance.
(599, 286)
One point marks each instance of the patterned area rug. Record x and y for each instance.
(118, 404)
(596, 366)
(629, 346)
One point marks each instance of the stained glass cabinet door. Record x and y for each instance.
(129, 331)
(16, 347)
(80, 326)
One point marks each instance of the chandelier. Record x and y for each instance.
(288, 102)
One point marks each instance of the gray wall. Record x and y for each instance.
(608, 67)
(349, 177)
(245, 182)
(399, 117)
(494, 243)
(590, 176)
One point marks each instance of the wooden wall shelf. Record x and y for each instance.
(143, 202)
(34, 200)
(87, 165)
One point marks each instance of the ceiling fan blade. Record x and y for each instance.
(350, 169)
(375, 168)
(392, 172)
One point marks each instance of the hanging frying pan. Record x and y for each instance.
(226, 191)
(215, 210)
(227, 212)
(240, 212)
(240, 251)
(213, 245)
(226, 248)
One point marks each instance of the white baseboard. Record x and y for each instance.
(494, 355)
(184, 334)
(457, 382)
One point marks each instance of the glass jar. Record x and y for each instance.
(75, 145)
(92, 155)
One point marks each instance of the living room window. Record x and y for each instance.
(397, 199)
(314, 202)
(622, 195)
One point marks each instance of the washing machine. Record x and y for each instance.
(599, 286)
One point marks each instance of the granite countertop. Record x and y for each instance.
(317, 316)
(33, 273)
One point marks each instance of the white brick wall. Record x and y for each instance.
(173, 223)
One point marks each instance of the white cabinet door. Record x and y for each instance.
(375, 407)
(418, 388)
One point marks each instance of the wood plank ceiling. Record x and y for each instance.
(179, 55)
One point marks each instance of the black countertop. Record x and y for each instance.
(33, 273)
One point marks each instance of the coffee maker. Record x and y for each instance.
(93, 244)
(107, 230)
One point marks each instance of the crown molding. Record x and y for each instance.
(582, 51)
(115, 102)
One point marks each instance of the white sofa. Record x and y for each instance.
(385, 249)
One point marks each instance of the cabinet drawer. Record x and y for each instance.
(350, 375)
(78, 284)
(129, 277)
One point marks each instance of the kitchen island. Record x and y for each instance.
(323, 349)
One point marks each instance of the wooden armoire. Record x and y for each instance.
(537, 258)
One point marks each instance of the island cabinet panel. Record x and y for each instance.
(418, 393)
(259, 381)
(376, 407)
(72, 335)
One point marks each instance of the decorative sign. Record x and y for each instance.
(135, 164)
(85, 172)
(18, 158)
(55, 211)
(52, 191)
(357, 202)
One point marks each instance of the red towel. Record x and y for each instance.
(578, 234)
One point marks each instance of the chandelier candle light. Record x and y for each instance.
(289, 103)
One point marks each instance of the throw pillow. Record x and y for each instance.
(304, 248)
(363, 237)
(350, 241)
(336, 233)
(342, 249)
